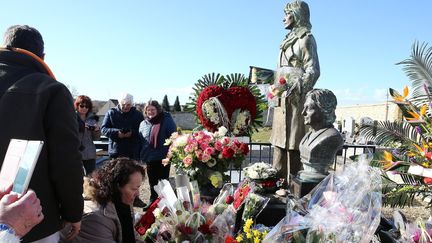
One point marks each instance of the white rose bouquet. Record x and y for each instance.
(263, 175)
(259, 171)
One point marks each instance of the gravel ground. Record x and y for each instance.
(418, 210)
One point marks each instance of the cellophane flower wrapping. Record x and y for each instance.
(176, 218)
(263, 175)
(254, 204)
(402, 230)
(285, 80)
(345, 206)
(205, 156)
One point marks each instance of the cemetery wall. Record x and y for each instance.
(184, 120)
(380, 112)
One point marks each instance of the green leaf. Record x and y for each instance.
(394, 93)
(386, 132)
(419, 69)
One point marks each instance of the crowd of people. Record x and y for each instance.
(35, 106)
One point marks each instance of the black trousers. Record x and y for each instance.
(89, 166)
(156, 171)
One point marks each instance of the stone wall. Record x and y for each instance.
(184, 120)
(380, 112)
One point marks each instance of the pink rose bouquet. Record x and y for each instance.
(205, 156)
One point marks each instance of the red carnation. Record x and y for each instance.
(147, 219)
(244, 148)
(282, 80)
(141, 230)
(230, 239)
(427, 180)
(227, 153)
(428, 155)
(185, 229)
(205, 229)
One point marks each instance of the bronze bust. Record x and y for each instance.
(318, 147)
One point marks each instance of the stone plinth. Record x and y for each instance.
(300, 188)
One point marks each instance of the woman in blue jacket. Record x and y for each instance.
(156, 127)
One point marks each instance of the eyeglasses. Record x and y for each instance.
(83, 106)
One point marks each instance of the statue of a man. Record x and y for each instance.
(298, 51)
(318, 147)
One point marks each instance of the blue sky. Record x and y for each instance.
(153, 48)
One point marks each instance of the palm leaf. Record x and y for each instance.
(403, 194)
(206, 80)
(419, 69)
(235, 79)
(386, 132)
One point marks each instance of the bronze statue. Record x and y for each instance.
(319, 146)
(298, 54)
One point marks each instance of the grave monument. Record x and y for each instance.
(319, 146)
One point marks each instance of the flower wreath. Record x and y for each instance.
(227, 101)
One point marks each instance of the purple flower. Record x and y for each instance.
(416, 236)
(426, 88)
(418, 129)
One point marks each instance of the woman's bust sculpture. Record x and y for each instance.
(319, 146)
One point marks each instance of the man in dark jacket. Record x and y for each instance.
(34, 106)
(121, 125)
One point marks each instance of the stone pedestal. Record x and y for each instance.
(274, 212)
(300, 188)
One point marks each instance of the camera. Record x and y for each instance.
(125, 130)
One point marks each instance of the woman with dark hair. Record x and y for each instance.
(109, 217)
(156, 127)
(88, 131)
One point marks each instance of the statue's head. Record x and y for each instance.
(319, 108)
(300, 12)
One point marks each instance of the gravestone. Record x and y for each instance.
(348, 126)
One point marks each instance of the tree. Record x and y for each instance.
(177, 106)
(74, 92)
(165, 103)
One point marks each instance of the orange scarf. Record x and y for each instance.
(38, 59)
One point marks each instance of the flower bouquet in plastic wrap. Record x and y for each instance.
(249, 234)
(344, 207)
(263, 175)
(205, 156)
(180, 215)
(286, 80)
(401, 230)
